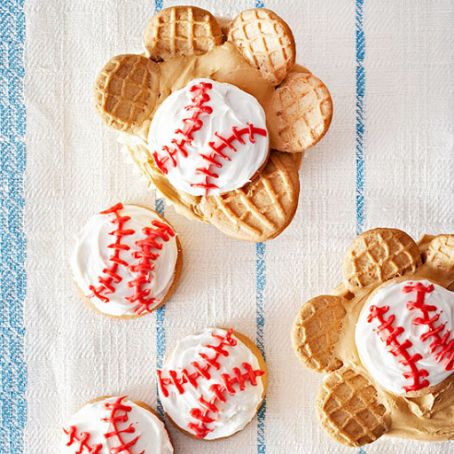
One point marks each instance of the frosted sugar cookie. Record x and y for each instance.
(115, 425)
(212, 383)
(126, 261)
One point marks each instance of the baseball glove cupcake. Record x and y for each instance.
(385, 339)
(217, 119)
(213, 383)
(116, 425)
(127, 261)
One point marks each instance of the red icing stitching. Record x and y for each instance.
(193, 124)
(388, 334)
(203, 369)
(442, 337)
(83, 439)
(216, 152)
(146, 255)
(119, 414)
(110, 275)
(203, 413)
(190, 126)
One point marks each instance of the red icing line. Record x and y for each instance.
(389, 334)
(146, 255)
(224, 142)
(82, 440)
(178, 379)
(119, 415)
(203, 369)
(442, 339)
(190, 126)
(203, 413)
(110, 276)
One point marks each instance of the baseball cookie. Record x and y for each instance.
(385, 337)
(205, 109)
(116, 425)
(127, 261)
(213, 383)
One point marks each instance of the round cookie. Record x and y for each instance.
(266, 42)
(209, 138)
(263, 208)
(126, 91)
(181, 30)
(127, 261)
(115, 424)
(213, 383)
(378, 255)
(300, 112)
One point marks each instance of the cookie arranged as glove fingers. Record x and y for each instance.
(438, 252)
(213, 383)
(378, 255)
(300, 112)
(350, 409)
(262, 209)
(386, 339)
(126, 91)
(127, 261)
(266, 42)
(115, 424)
(181, 30)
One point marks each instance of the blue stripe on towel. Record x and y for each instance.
(160, 319)
(13, 411)
(360, 45)
(161, 312)
(360, 114)
(260, 264)
(260, 267)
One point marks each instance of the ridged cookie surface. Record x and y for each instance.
(263, 208)
(265, 41)
(300, 112)
(350, 408)
(181, 30)
(378, 255)
(126, 91)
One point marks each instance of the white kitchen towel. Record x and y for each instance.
(388, 160)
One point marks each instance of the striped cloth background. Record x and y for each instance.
(387, 161)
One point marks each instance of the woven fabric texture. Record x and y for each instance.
(387, 161)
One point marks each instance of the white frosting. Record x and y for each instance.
(91, 257)
(231, 107)
(238, 409)
(153, 437)
(375, 355)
